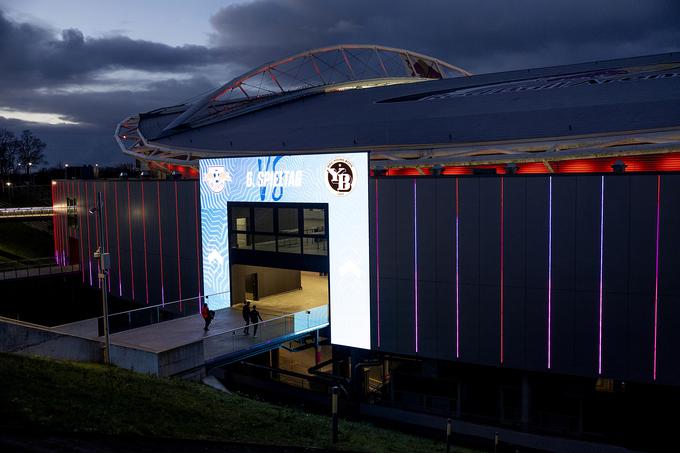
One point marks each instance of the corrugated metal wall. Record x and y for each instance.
(152, 231)
(568, 274)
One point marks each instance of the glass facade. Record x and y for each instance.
(282, 228)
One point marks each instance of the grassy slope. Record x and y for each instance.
(68, 397)
(24, 242)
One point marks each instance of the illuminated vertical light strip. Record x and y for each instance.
(64, 222)
(656, 271)
(160, 239)
(198, 246)
(80, 230)
(132, 266)
(415, 254)
(502, 275)
(87, 217)
(54, 225)
(96, 226)
(599, 339)
(146, 270)
(457, 280)
(120, 277)
(377, 258)
(179, 264)
(550, 272)
(106, 227)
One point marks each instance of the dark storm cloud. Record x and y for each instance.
(35, 56)
(480, 35)
(39, 67)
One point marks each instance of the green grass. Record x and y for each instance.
(20, 241)
(75, 397)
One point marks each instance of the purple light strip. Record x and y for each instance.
(550, 272)
(599, 340)
(415, 253)
(656, 272)
(377, 258)
(457, 285)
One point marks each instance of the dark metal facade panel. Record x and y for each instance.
(579, 273)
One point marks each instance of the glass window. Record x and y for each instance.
(240, 219)
(314, 246)
(315, 221)
(288, 220)
(265, 242)
(264, 220)
(241, 241)
(289, 244)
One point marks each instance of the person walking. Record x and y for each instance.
(246, 316)
(207, 315)
(255, 319)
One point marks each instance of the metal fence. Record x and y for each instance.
(231, 341)
(33, 268)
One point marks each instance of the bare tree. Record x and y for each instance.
(30, 151)
(8, 151)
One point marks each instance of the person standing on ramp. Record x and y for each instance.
(246, 316)
(255, 318)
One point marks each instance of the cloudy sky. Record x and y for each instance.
(70, 70)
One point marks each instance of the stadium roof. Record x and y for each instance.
(350, 98)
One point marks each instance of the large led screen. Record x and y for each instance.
(339, 180)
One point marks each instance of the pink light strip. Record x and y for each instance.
(146, 269)
(132, 266)
(599, 340)
(457, 280)
(160, 239)
(179, 265)
(415, 254)
(550, 272)
(120, 281)
(656, 271)
(502, 288)
(377, 258)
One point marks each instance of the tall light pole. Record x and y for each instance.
(104, 265)
(65, 171)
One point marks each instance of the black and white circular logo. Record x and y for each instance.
(340, 176)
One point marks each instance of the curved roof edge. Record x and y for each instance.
(324, 66)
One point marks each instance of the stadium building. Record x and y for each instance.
(498, 248)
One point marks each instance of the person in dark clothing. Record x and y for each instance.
(246, 316)
(255, 318)
(207, 315)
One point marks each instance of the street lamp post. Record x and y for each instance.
(66, 171)
(104, 265)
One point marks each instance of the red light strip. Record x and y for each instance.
(106, 228)
(132, 266)
(656, 271)
(80, 230)
(377, 258)
(502, 275)
(160, 239)
(146, 270)
(87, 218)
(198, 246)
(54, 226)
(120, 281)
(457, 278)
(179, 264)
(415, 256)
(96, 228)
